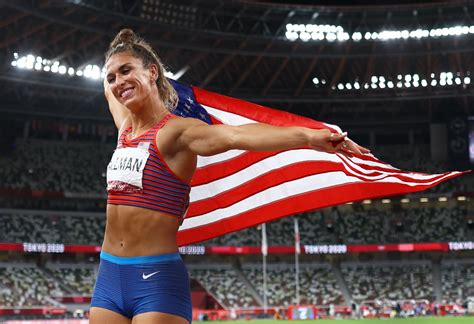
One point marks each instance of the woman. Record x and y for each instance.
(142, 278)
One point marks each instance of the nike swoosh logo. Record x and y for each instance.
(145, 277)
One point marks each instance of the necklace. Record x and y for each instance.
(135, 132)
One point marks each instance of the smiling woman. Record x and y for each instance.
(141, 276)
(127, 42)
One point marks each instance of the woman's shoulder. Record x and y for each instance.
(178, 123)
(173, 134)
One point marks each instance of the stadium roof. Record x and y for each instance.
(241, 48)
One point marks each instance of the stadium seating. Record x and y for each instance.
(80, 279)
(389, 281)
(56, 166)
(26, 285)
(457, 281)
(225, 285)
(328, 226)
(317, 285)
(370, 226)
(52, 228)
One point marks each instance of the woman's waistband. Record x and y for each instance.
(140, 259)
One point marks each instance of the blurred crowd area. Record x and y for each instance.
(240, 285)
(327, 226)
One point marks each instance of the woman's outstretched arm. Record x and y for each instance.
(205, 140)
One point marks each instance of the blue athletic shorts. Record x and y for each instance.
(134, 285)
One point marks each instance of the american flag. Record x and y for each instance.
(239, 189)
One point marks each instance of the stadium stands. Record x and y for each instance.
(53, 227)
(370, 226)
(56, 166)
(457, 280)
(328, 226)
(79, 278)
(26, 285)
(225, 285)
(317, 284)
(389, 281)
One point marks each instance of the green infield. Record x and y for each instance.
(419, 320)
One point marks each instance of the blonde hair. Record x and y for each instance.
(127, 41)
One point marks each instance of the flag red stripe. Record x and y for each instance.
(253, 111)
(296, 204)
(228, 167)
(254, 186)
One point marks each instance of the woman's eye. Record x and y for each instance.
(110, 80)
(125, 71)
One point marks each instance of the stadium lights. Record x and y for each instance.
(91, 71)
(330, 33)
(443, 199)
(405, 200)
(367, 202)
(424, 200)
(37, 63)
(461, 198)
(386, 201)
(407, 81)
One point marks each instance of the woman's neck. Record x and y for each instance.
(150, 114)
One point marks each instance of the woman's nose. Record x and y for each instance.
(119, 80)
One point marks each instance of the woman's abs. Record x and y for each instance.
(134, 231)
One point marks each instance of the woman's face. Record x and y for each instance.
(130, 82)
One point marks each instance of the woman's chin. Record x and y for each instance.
(131, 105)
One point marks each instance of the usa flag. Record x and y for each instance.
(239, 189)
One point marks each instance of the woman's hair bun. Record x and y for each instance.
(125, 36)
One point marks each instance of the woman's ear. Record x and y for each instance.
(153, 73)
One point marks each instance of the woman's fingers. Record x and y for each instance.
(363, 149)
(353, 148)
(334, 137)
(342, 144)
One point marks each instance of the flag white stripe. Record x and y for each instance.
(284, 190)
(209, 160)
(282, 159)
(289, 189)
(337, 128)
(228, 118)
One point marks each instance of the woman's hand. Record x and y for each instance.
(107, 91)
(326, 141)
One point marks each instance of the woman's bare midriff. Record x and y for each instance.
(134, 231)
